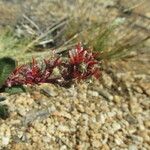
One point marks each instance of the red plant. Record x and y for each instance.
(80, 65)
(15, 77)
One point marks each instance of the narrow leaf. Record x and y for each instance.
(15, 89)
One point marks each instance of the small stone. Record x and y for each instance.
(20, 146)
(35, 138)
(118, 141)
(135, 106)
(51, 129)
(148, 14)
(39, 127)
(96, 143)
(107, 80)
(132, 130)
(86, 118)
(83, 146)
(131, 119)
(22, 111)
(92, 106)
(148, 92)
(111, 114)
(146, 88)
(80, 108)
(137, 139)
(138, 89)
(104, 93)
(36, 95)
(93, 93)
(66, 115)
(48, 92)
(133, 147)
(100, 118)
(105, 147)
(51, 109)
(20, 134)
(117, 99)
(5, 140)
(63, 128)
(64, 147)
(83, 135)
(144, 135)
(105, 138)
(147, 123)
(116, 126)
(97, 136)
(94, 126)
(141, 127)
(89, 111)
(15, 122)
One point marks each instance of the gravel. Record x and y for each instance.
(80, 117)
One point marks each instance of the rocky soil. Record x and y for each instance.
(112, 113)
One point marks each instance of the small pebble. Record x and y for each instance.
(5, 140)
(93, 93)
(133, 147)
(116, 126)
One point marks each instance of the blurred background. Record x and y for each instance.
(35, 27)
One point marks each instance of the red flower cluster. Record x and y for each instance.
(80, 65)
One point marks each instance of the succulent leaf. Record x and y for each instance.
(7, 65)
(4, 113)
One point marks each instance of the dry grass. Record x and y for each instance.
(9, 14)
(10, 45)
(87, 21)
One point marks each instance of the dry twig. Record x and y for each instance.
(51, 29)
